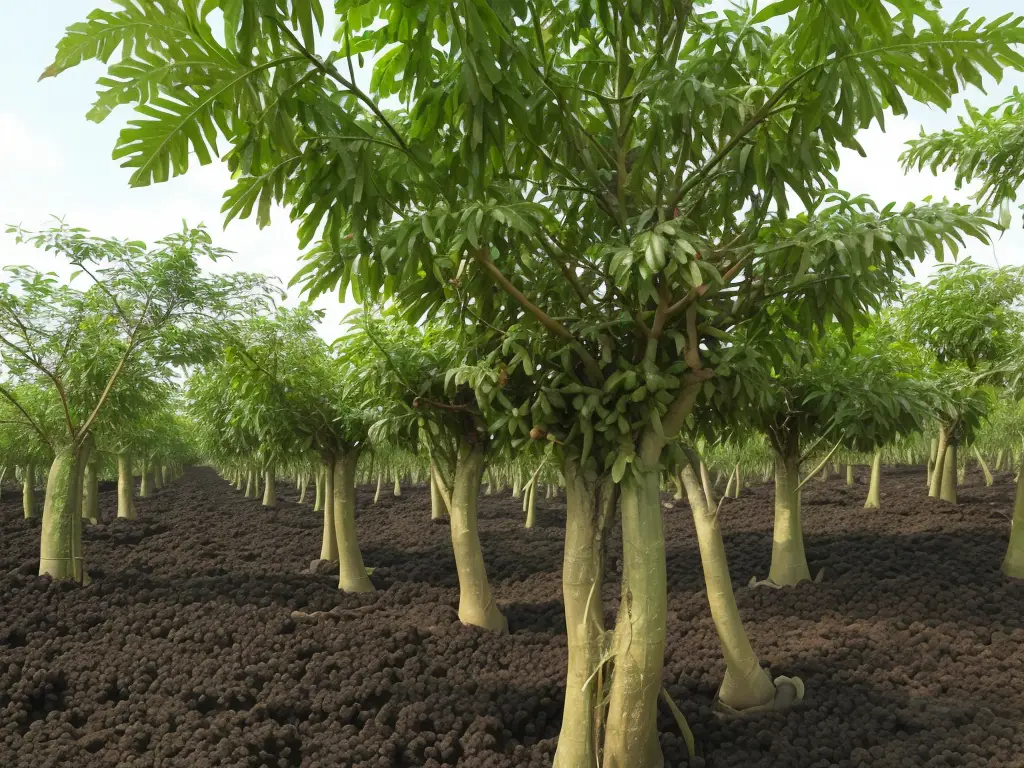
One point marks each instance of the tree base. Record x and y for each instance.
(788, 691)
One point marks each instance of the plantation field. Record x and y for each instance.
(185, 651)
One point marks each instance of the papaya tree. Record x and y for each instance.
(965, 318)
(141, 304)
(591, 181)
(413, 375)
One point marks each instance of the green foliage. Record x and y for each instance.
(987, 147)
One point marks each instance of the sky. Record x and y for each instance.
(54, 162)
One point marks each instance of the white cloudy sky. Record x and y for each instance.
(55, 162)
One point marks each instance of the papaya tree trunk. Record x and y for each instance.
(145, 486)
(984, 467)
(329, 540)
(745, 683)
(631, 736)
(91, 493)
(589, 502)
(303, 484)
(476, 604)
(269, 488)
(60, 550)
(380, 485)
(398, 487)
(789, 562)
(318, 499)
(239, 480)
(849, 474)
(874, 500)
(1013, 562)
(28, 491)
(709, 488)
(352, 575)
(949, 470)
(938, 469)
(158, 476)
(530, 503)
(125, 488)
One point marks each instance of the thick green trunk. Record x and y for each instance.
(380, 485)
(269, 488)
(789, 562)
(125, 488)
(631, 735)
(938, 467)
(949, 468)
(398, 487)
(476, 605)
(145, 486)
(351, 571)
(303, 485)
(28, 492)
(933, 452)
(91, 493)
(745, 684)
(589, 502)
(239, 480)
(1013, 562)
(849, 474)
(329, 540)
(874, 500)
(158, 475)
(60, 551)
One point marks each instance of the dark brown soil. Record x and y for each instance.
(183, 652)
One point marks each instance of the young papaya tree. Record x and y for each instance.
(413, 377)
(966, 319)
(142, 304)
(608, 170)
(28, 423)
(286, 375)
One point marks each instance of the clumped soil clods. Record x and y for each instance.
(184, 651)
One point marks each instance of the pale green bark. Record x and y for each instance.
(1013, 562)
(91, 493)
(631, 736)
(269, 488)
(440, 499)
(530, 503)
(789, 562)
(984, 467)
(938, 467)
(239, 480)
(28, 491)
(949, 469)
(303, 485)
(318, 502)
(329, 541)
(125, 488)
(398, 487)
(932, 453)
(849, 474)
(60, 550)
(351, 571)
(158, 475)
(589, 502)
(145, 487)
(745, 683)
(874, 500)
(709, 488)
(476, 605)
(380, 484)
